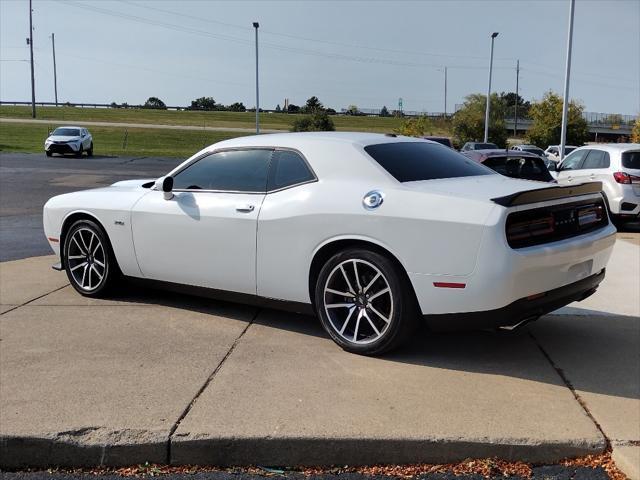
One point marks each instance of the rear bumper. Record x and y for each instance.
(625, 200)
(518, 311)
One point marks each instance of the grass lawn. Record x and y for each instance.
(281, 121)
(25, 137)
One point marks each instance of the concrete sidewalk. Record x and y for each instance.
(156, 377)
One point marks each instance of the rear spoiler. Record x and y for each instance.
(546, 194)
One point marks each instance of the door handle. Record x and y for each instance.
(245, 208)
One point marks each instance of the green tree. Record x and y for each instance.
(237, 107)
(154, 102)
(468, 122)
(316, 122)
(635, 132)
(203, 103)
(415, 126)
(384, 112)
(278, 109)
(547, 122)
(313, 105)
(511, 99)
(352, 110)
(293, 108)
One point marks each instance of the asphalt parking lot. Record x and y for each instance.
(28, 180)
(166, 378)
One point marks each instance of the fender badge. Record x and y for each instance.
(118, 222)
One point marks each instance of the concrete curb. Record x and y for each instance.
(34, 452)
(43, 452)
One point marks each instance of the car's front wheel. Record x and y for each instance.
(89, 261)
(79, 152)
(48, 153)
(365, 302)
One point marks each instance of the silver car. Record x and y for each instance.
(616, 165)
(73, 140)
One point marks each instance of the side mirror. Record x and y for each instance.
(165, 184)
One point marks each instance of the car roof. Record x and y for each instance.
(295, 139)
(613, 147)
(68, 126)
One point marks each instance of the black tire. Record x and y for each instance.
(375, 335)
(95, 280)
(90, 151)
(79, 152)
(48, 153)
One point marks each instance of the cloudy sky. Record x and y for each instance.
(367, 53)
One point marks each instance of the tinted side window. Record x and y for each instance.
(573, 161)
(596, 159)
(631, 160)
(413, 161)
(235, 170)
(287, 168)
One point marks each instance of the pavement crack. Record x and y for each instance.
(570, 386)
(206, 384)
(33, 299)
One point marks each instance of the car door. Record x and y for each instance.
(594, 167)
(569, 169)
(205, 235)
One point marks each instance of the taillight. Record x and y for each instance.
(527, 229)
(624, 177)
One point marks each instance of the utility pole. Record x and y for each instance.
(515, 126)
(488, 108)
(55, 77)
(445, 92)
(567, 72)
(33, 78)
(256, 25)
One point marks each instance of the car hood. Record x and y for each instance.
(62, 138)
(481, 187)
(132, 183)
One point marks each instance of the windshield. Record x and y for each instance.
(528, 168)
(569, 149)
(485, 146)
(414, 161)
(67, 132)
(536, 150)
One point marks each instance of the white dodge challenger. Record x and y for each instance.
(369, 231)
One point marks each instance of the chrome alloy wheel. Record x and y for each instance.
(358, 301)
(86, 259)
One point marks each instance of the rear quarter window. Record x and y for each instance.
(631, 160)
(415, 161)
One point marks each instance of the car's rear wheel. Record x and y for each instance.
(90, 151)
(364, 302)
(89, 260)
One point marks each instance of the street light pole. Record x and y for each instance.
(515, 125)
(256, 25)
(33, 78)
(567, 72)
(486, 113)
(55, 77)
(445, 92)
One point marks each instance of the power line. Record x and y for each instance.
(297, 37)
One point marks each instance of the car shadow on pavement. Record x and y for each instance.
(598, 348)
(599, 352)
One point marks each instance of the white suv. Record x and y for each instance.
(616, 165)
(75, 140)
